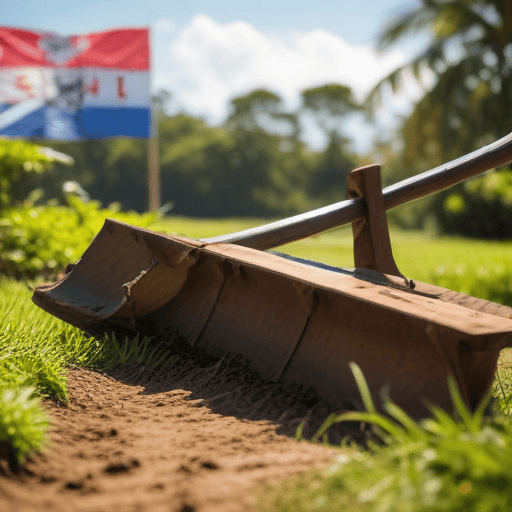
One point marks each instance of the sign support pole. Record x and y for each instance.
(153, 161)
(153, 165)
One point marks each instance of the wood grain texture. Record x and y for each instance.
(372, 246)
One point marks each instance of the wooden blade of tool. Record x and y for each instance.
(337, 214)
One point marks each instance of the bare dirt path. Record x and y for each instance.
(199, 438)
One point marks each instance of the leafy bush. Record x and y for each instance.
(38, 240)
(480, 207)
(18, 157)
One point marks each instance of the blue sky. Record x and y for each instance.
(206, 52)
(358, 21)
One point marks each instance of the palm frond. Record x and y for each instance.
(428, 59)
(410, 22)
(444, 19)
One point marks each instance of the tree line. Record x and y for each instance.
(254, 164)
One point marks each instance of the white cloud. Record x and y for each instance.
(209, 63)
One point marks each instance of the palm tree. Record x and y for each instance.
(470, 57)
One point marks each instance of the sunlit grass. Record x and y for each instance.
(36, 349)
(444, 463)
(203, 228)
(23, 424)
(502, 386)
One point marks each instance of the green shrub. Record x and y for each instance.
(18, 157)
(480, 207)
(37, 240)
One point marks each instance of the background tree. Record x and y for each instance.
(254, 164)
(469, 104)
(262, 110)
(270, 159)
(228, 170)
(469, 56)
(331, 105)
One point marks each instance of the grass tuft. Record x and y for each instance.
(35, 351)
(442, 463)
(23, 424)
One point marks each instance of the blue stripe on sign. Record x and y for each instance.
(89, 123)
(107, 122)
(30, 125)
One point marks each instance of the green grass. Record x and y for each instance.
(440, 464)
(23, 424)
(36, 349)
(203, 228)
(502, 386)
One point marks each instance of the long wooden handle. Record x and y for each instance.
(337, 214)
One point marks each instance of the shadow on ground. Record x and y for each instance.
(229, 387)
